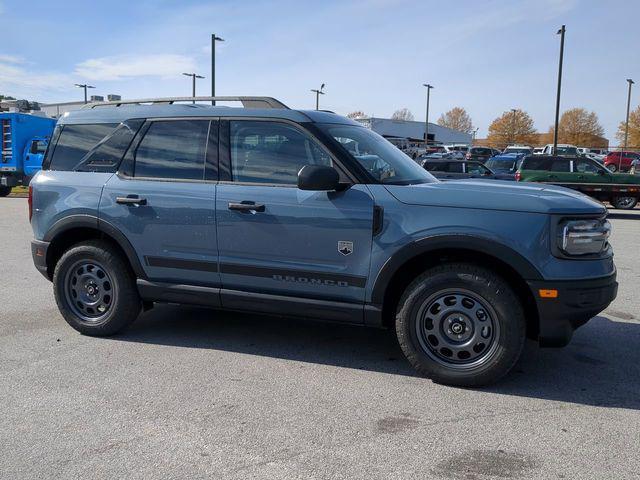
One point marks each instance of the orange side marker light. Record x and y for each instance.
(551, 293)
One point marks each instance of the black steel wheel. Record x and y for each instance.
(95, 288)
(461, 324)
(624, 203)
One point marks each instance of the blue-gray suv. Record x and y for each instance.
(306, 213)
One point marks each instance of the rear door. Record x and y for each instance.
(274, 238)
(162, 199)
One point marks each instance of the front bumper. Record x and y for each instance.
(576, 303)
(39, 255)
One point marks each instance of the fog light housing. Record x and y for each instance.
(584, 237)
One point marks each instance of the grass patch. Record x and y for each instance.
(19, 191)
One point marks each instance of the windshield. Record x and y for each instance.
(566, 151)
(501, 165)
(380, 158)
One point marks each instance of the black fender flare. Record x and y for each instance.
(93, 222)
(445, 242)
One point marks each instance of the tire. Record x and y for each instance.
(95, 289)
(489, 323)
(5, 191)
(613, 168)
(624, 203)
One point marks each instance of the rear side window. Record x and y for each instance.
(533, 163)
(106, 156)
(74, 143)
(173, 149)
(454, 167)
(560, 165)
(436, 166)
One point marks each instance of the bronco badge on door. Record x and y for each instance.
(345, 248)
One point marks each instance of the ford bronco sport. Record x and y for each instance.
(306, 213)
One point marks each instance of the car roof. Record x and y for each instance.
(117, 114)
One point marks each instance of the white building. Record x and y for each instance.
(414, 131)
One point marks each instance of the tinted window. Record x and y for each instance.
(559, 165)
(106, 156)
(74, 143)
(436, 166)
(272, 152)
(173, 150)
(454, 167)
(476, 169)
(501, 165)
(533, 163)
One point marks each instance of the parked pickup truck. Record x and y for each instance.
(582, 174)
(24, 138)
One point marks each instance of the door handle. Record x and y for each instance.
(131, 200)
(246, 206)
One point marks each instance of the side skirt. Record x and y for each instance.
(270, 304)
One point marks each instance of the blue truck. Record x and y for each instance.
(24, 139)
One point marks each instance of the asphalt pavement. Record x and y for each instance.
(192, 393)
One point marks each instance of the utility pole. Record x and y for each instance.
(318, 93)
(193, 83)
(512, 140)
(84, 86)
(426, 119)
(214, 39)
(555, 130)
(626, 125)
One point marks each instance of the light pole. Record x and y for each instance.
(555, 130)
(475, 133)
(84, 86)
(426, 119)
(512, 138)
(318, 93)
(214, 39)
(626, 125)
(193, 83)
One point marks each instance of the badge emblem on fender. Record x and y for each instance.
(345, 248)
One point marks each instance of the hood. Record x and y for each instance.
(498, 195)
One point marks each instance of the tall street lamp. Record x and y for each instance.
(426, 119)
(84, 86)
(626, 125)
(513, 125)
(555, 130)
(193, 83)
(214, 39)
(318, 93)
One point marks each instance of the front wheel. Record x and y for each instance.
(4, 191)
(613, 168)
(624, 203)
(95, 289)
(461, 324)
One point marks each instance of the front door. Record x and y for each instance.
(163, 198)
(276, 239)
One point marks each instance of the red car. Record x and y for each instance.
(613, 163)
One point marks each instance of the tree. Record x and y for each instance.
(457, 119)
(579, 127)
(633, 141)
(356, 114)
(402, 114)
(511, 127)
(6, 97)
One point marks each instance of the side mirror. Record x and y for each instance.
(34, 147)
(318, 178)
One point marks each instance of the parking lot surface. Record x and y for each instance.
(192, 393)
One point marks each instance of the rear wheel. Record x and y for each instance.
(4, 191)
(461, 324)
(624, 203)
(95, 289)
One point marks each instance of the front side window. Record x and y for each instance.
(384, 162)
(272, 152)
(477, 169)
(173, 149)
(585, 166)
(75, 141)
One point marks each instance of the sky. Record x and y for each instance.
(487, 56)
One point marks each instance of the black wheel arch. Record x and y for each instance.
(412, 259)
(73, 229)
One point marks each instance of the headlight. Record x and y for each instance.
(584, 237)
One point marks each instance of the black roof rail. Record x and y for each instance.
(247, 102)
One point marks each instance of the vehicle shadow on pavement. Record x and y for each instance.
(600, 367)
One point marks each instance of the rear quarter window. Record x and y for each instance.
(75, 141)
